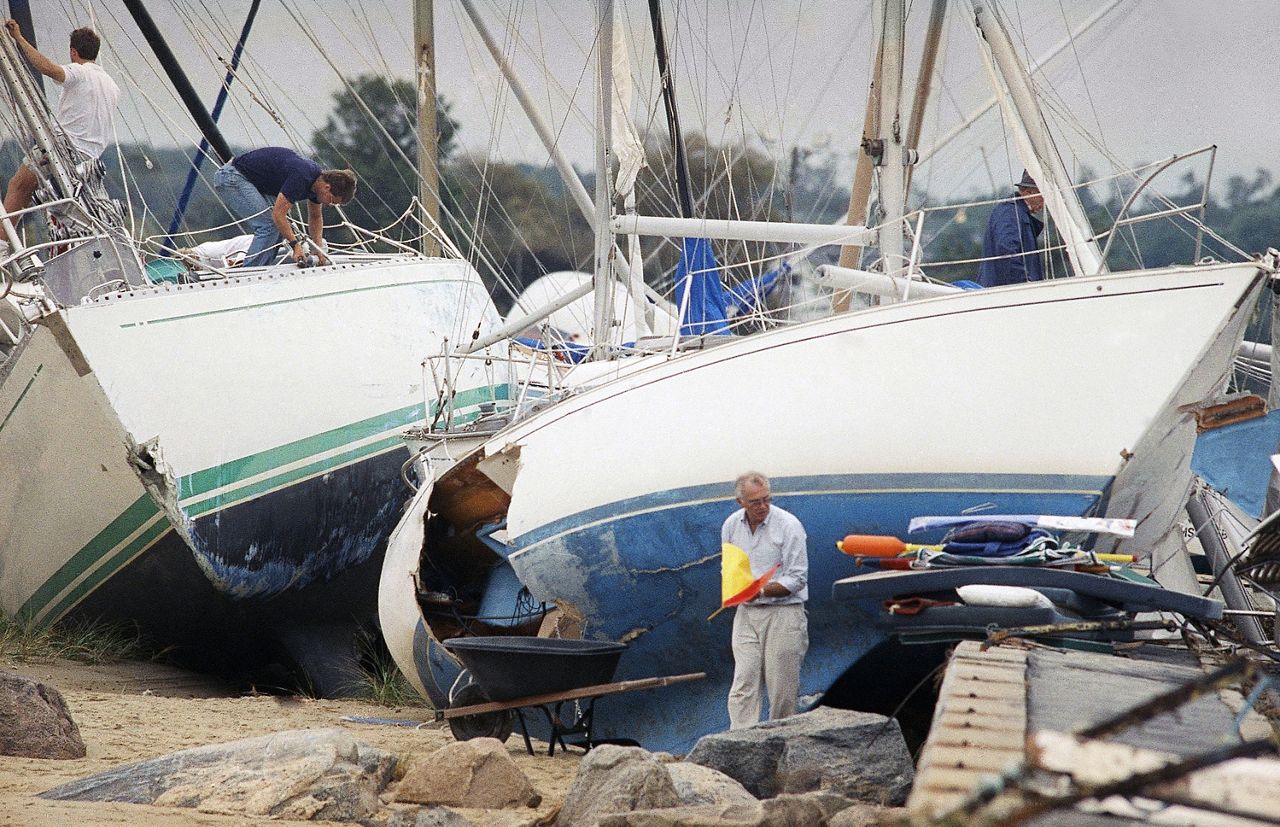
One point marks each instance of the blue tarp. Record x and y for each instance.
(745, 297)
(699, 273)
(569, 351)
(1236, 460)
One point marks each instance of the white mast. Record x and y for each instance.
(544, 132)
(629, 150)
(428, 135)
(604, 282)
(890, 25)
(1036, 148)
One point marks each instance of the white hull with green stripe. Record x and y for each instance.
(199, 458)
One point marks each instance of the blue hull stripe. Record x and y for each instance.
(825, 486)
(648, 572)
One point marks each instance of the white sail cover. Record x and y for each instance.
(626, 142)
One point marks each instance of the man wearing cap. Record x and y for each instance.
(1009, 247)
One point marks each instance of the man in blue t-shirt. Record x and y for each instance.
(1009, 249)
(273, 179)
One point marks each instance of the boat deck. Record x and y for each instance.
(998, 709)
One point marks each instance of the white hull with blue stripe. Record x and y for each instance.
(225, 446)
(1062, 397)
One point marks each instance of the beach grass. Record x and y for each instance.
(380, 680)
(376, 678)
(78, 640)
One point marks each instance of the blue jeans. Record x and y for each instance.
(251, 208)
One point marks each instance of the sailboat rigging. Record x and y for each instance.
(213, 459)
(1024, 399)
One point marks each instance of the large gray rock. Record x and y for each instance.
(699, 815)
(862, 814)
(478, 773)
(426, 817)
(857, 755)
(320, 774)
(35, 721)
(697, 785)
(613, 779)
(800, 810)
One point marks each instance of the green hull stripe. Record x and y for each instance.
(229, 473)
(474, 396)
(143, 509)
(296, 474)
(118, 561)
(242, 308)
(237, 470)
(21, 395)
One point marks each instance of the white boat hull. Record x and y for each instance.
(246, 432)
(1063, 397)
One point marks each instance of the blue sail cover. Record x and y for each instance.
(744, 297)
(700, 274)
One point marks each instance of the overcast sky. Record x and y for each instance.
(1151, 79)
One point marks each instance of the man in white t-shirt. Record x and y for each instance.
(85, 110)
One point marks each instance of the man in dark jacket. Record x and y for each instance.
(260, 187)
(1009, 247)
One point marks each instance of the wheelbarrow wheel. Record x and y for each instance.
(485, 725)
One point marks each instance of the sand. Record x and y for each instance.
(132, 711)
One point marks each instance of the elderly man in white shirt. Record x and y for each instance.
(85, 109)
(770, 632)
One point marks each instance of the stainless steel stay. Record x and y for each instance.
(1122, 221)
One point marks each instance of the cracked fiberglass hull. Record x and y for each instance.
(1067, 397)
(220, 462)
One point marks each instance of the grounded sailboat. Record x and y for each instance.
(216, 461)
(1068, 397)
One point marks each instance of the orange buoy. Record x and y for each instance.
(871, 545)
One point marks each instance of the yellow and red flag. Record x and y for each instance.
(736, 583)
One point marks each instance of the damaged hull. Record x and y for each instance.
(1064, 397)
(205, 460)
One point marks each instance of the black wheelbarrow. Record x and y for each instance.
(513, 673)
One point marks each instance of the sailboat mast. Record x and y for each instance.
(860, 191)
(1039, 155)
(179, 79)
(603, 200)
(20, 10)
(581, 199)
(424, 44)
(201, 151)
(673, 114)
(924, 81)
(890, 28)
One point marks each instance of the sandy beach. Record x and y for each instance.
(129, 711)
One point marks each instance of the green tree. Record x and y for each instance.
(373, 130)
(512, 225)
(731, 181)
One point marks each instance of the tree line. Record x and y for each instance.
(516, 222)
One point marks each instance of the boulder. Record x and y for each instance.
(697, 785)
(699, 815)
(478, 773)
(614, 779)
(433, 816)
(301, 774)
(35, 721)
(801, 810)
(862, 814)
(857, 755)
